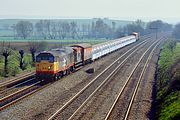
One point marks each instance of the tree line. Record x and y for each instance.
(49, 29)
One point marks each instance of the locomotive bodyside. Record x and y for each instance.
(53, 64)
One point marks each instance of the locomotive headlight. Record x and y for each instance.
(49, 68)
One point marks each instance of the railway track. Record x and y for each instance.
(68, 110)
(120, 109)
(17, 80)
(16, 96)
(15, 87)
(13, 90)
(139, 82)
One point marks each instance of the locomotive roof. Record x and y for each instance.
(60, 51)
(82, 45)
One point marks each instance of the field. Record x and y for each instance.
(168, 82)
(9, 22)
(66, 41)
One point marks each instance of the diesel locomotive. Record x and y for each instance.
(53, 64)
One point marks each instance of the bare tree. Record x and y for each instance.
(33, 47)
(84, 30)
(24, 29)
(47, 24)
(119, 32)
(113, 29)
(59, 30)
(73, 30)
(5, 51)
(93, 30)
(66, 28)
(54, 30)
(99, 28)
(39, 29)
(14, 30)
(21, 52)
(113, 25)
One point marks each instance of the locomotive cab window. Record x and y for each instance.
(38, 59)
(51, 59)
(45, 57)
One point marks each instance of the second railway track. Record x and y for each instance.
(121, 107)
(16, 80)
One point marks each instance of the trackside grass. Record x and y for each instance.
(168, 82)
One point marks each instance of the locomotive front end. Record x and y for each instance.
(46, 66)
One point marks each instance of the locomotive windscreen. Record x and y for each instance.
(45, 57)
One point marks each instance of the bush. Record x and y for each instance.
(168, 82)
(27, 62)
(14, 64)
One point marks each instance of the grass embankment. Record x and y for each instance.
(168, 82)
(13, 64)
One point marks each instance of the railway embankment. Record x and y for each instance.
(13, 63)
(168, 82)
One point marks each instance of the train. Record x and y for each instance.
(53, 64)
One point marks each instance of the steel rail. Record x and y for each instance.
(14, 94)
(13, 81)
(139, 81)
(124, 86)
(16, 85)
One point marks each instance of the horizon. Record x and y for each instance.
(167, 20)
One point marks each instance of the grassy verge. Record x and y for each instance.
(168, 82)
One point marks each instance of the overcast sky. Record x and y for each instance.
(117, 9)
